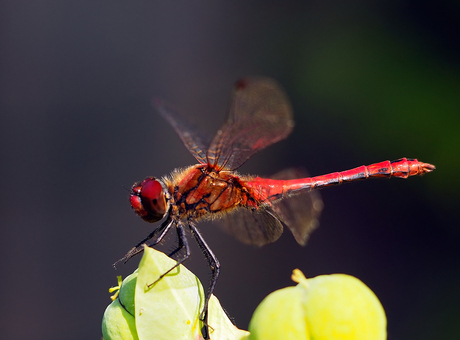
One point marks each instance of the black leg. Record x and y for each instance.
(215, 270)
(161, 231)
(180, 238)
(182, 243)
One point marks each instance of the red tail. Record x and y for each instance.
(401, 168)
(272, 189)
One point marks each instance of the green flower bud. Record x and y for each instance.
(118, 322)
(280, 316)
(166, 308)
(326, 307)
(340, 306)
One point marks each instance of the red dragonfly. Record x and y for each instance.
(254, 209)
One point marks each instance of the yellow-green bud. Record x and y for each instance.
(326, 307)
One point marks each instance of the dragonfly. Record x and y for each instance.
(253, 209)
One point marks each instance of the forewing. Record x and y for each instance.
(300, 213)
(260, 114)
(194, 139)
(255, 227)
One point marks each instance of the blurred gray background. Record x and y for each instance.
(369, 81)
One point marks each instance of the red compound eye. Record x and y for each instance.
(148, 200)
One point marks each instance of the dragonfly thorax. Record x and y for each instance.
(200, 191)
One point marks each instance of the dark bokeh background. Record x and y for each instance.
(369, 81)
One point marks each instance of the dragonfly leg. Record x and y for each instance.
(183, 243)
(215, 270)
(180, 237)
(161, 231)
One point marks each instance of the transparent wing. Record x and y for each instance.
(300, 213)
(194, 139)
(260, 114)
(255, 227)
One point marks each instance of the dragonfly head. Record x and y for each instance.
(148, 199)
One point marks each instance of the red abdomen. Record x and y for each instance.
(269, 189)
